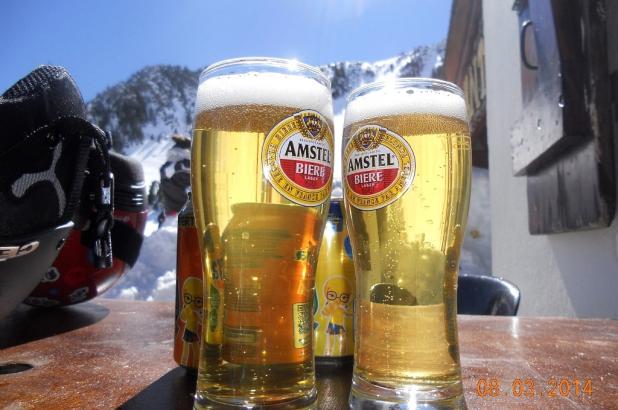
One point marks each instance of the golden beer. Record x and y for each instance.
(406, 166)
(261, 177)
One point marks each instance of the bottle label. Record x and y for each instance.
(302, 325)
(297, 158)
(378, 167)
(333, 303)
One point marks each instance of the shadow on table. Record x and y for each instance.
(26, 324)
(174, 390)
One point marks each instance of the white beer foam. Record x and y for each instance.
(283, 90)
(389, 101)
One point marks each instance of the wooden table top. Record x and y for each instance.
(111, 353)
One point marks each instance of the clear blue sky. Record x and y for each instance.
(103, 42)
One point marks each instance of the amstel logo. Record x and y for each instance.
(378, 167)
(297, 158)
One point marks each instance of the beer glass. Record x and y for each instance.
(261, 171)
(406, 166)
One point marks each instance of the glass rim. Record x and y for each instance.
(265, 62)
(405, 81)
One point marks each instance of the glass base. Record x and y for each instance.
(209, 403)
(368, 396)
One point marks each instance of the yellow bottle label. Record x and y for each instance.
(333, 304)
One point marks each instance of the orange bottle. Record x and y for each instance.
(270, 254)
(189, 291)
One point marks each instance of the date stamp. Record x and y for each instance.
(529, 388)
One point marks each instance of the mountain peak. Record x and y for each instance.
(153, 103)
(158, 101)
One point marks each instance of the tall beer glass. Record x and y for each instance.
(406, 167)
(262, 166)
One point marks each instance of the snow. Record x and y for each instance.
(476, 249)
(433, 56)
(153, 276)
(151, 154)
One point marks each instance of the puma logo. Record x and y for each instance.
(26, 181)
(9, 252)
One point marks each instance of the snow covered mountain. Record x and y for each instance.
(157, 102)
(425, 61)
(153, 104)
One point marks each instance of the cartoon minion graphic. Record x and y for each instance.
(191, 315)
(338, 294)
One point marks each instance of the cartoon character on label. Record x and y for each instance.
(191, 316)
(338, 306)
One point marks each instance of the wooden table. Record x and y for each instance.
(112, 353)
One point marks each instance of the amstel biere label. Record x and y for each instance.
(297, 158)
(378, 167)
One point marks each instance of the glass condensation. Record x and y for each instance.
(260, 248)
(406, 254)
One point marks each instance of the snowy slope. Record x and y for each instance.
(151, 155)
(158, 101)
(153, 104)
(153, 277)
